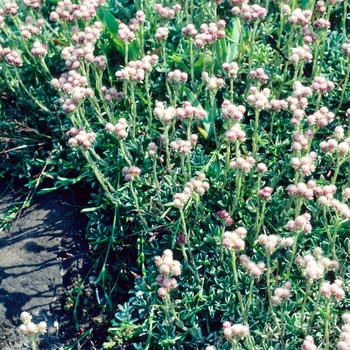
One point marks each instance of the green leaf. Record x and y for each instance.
(232, 49)
(111, 25)
(178, 59)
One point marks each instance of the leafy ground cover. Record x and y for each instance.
(212, 140)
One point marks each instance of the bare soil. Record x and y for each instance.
(40, 257)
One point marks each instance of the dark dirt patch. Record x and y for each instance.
(31, 269)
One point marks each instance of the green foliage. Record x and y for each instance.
(163, 178)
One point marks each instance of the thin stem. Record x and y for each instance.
(310, 320)
(346, 79)
(131, 88)
(227, 160)
(163, 51)
(326, 321)
(149, 104)
(192, 62)
(249, 301)
(212, 104)
(345, 13)
(294, 249)
(307, 292)
(235, 276)
(255, 133)
(193, 268)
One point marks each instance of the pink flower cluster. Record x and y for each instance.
(135, 71)
(236, 133)
(299, 101)
(132, 73)
(67, 11)
(301, 141)
(198, 184)
(12, 57)
(166, 115)
(111, 94)
(31, 28)
(302, 190)
(34, 4)
(300, 17)
(266, 193)
(346, 49)
(301, 223)
(234, 330)
(161, 33)
(344, 342)
(242, 164)
(152, 149)
(277, 105)
(231, 111)
(335, 289)
(333, 146)
(257, 99)
(342, 209)
(168, 267)
(177, 77)
(321, 118)
(272, 242)
(181, 146)
(306, 164)
(213, 83)
(281, 293)
(83, 48)
(346, 193)
(68, 81)
(79, 137)
(30, 328)
(325, 194)
(320, 84)
(321, 23)
(166, 12)
(225, 217)
(231, 69)
(131, 173)
(119, 128)
(9, 8)
(321, 7)
(72, 83)
(125, 33)
(309, 36)
(187, 111)
(314, 266)
(259, 75)
(210, 33)
(253, 269)
(249, 13)
(181, 198)
(301, 53)
(233, 240)
(39, 49)
(309, 343)
(190, 30)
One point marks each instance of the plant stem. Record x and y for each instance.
(235, 276)
(193, 268)
(294, 249)
(326, 321)
(255, 133)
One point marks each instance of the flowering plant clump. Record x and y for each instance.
(30, 329)
(213, 136)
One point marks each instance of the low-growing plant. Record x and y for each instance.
(30, 329)
(215, 140)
